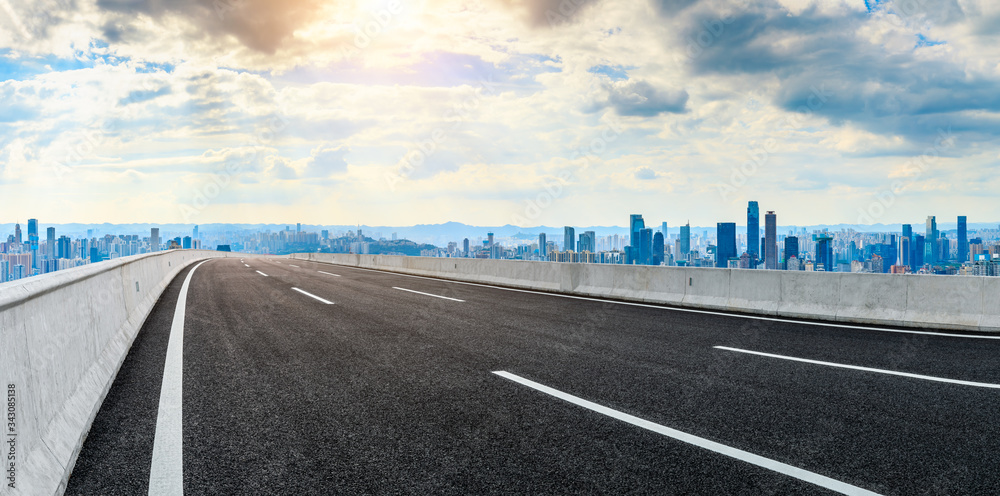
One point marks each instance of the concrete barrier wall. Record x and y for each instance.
(63, 337)
(935, 302)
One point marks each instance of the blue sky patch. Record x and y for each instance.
(615, 72)
(922, 41)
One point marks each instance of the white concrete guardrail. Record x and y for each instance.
(63, 337)
(967, 303)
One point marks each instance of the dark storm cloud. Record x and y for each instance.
(261, 25)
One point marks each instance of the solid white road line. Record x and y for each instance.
(296, 266)
(678, 309)
(328, 302)
(760, 461)
(329, 274)
(428, 294)
(865, 369)
(166, 474)
(263, 274)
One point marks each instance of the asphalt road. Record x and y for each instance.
(391, 390)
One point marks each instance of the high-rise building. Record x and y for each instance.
(588, 242)
(658, 250)
(753, 232)
(646, 246)
(33, 242)
(17, 233)
(824, 253)
(4, 270)
(50, 243)
(791, 250)
(194, 234)
(931, 239)
(465, 247)
(963, 239)
(725, 233)
(542, 246)
(186, 243)
(906, 250)
(64, 247)
(770, 240)
(685, 240)
(636, 224)
(154, 239)
(665, 230)
(298, 227)
(917, 256)
(569, 239)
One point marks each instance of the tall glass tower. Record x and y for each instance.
(931, 238)
(569, 239)
(636, 225)
(685, 240)
(753, 233)
(725, 233)
(770, 241)
(33, 241)
(963, 239)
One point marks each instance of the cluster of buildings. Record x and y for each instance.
(28, 254)
(759, 245)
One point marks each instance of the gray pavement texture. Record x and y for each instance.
(392, 392)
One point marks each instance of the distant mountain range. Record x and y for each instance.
(436, 234)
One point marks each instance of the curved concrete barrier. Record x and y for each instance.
(936, 302)
(63, 337)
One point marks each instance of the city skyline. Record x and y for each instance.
(497, 112)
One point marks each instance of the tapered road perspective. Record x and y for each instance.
(280, 375)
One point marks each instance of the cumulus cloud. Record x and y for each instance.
(640, 98)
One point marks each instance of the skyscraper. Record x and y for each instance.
(908, 251)
(465, 246)
(542, 246)
(725, 232)
(664, 229)
(636, 224)
(917, 257)
(64, 247)
(154, 239)
(17, 233)
(50, 243)
(658, 250)
(646, 246)
(685, 240)
(824, 252)
(931, 239)
(753, 232)
(194, 235)
(791, 249)
(963, 240)
(33, 242)
(588, 242)
(569, 239)
(770, 240)
(186, 243)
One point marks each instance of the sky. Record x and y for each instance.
(493, 112)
